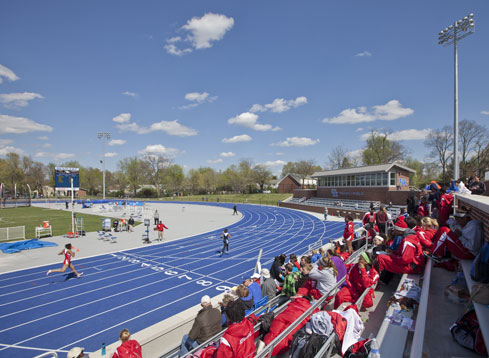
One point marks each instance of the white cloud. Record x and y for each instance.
(359, 129)
(227, 154)
(156, 149)
(197, 99)
(130, 94)
(173, 128)
(18, 125)
(46, 145)
(237, 139)
(355, 154)
(4, 142)
(249, 120)
(4, 150)
(214, 161)
(390, 111)
(406, 134)
(363, 54)
(279, 105)
(7, 73)
(297, 142)
(55, 156)
(122, 118)
(43, 137)
(117, 142)
(485, 112)
(18, 100)
(201, 32)
(132, 127)
(275, 163)
(110, 154)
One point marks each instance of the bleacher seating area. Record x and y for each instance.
(343, 205)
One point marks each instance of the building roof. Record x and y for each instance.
(361, 170)
(296, 177)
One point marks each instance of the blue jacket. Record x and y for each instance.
(255, 292)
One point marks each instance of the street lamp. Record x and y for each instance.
(450, 35)
(104, 136)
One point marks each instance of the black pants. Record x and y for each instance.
(226, 246)
(156, 221)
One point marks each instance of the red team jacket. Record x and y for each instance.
(349, 233)
(238, 341)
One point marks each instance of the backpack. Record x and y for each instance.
(466, 332)
(360, 349)
(306, 345)
(480, 266)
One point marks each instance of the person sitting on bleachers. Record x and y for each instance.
(128, 346)
(268, 287)
(445, 206)
(238, 341)
(288, 289)
(206, 324)
(276, 270)
(408, 258)
(245, 297)
(341, 251)
(339, 264)
(423, 209)
(226, 300)
(360, 276)
(255, 290)
(315, 255)
(293, 311)
(427, 231)
(294, 262)
(463, 242)
(324, 273)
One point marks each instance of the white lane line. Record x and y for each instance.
(33, 348)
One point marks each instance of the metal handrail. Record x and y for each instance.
(418, 338)
(267, 351)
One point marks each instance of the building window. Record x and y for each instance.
(384, 179)
(392, 181)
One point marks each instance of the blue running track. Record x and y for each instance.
(138, 288)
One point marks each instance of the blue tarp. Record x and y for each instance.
(13, 247)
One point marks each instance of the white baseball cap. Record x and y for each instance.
(205, 299)
(255, 275)
(75, 352)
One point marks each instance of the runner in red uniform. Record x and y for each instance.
(67, 261)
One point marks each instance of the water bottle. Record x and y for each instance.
(374, 349)
(103, 351)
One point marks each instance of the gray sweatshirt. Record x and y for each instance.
(325, 279)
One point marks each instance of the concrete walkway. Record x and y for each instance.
(182, 220)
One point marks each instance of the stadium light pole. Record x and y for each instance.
(104, 136)
(451, 35)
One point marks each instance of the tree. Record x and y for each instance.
(440, 141)
(480, 160)
(415, 179)
(174, 178)
(304, 168)
(133, 171)
(154, 167)
(380, 149)
(261, 174)
(120, 180)
(468, 132)
(246, 173)
(337, 159)
(295, 167)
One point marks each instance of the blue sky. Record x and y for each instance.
(212, 82)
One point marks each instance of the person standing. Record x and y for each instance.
(325, 214)
(349, 233)
(477, 187)
(235, 208)
(156, 217)
(130, 223)
(225, 236)
(382, 218)
(160, 227)
(67, 261)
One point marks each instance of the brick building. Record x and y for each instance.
(290, 182)
(385, 183)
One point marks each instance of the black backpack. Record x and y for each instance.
(480, 266)
(306, 345)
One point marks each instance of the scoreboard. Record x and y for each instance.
(63, 178)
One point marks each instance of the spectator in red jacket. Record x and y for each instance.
(238, 341)
(423, 209)
(129, 347)
(369, 218)
(408, 258)
(349, 233)
(160, 227)
(445, 206)
(293, 311)
(360, 276)
(427, 231)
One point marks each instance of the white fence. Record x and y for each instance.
(12, 233)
